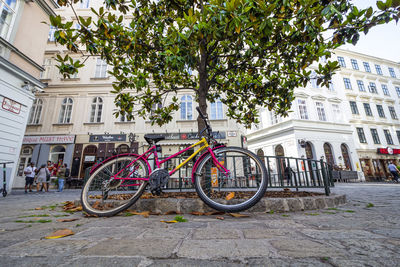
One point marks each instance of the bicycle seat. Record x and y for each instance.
(153, 138)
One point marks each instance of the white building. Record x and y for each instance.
(350, 124)
(22, 42)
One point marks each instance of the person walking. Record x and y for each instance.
(29, 172)
(394, 171)
(62, 173)
(41, 177)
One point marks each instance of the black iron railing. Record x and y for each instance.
(283, 172)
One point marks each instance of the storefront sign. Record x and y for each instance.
(11, 105)
(190, 136)
(51, 139)
(90, 158)
(388, 151)
(108, 138)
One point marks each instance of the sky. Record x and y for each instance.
(381, 41)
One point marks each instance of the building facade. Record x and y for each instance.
(352, 124)
(72, 121)
(22, 45)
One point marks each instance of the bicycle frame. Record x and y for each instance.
(153, 151)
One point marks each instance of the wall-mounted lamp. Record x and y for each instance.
(302, 143)
(340, 157)
(89, 133)
(106, 133)
(322, 157)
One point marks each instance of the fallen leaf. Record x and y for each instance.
(145, 214)
(220, 218)
(238, 215)
(172, 212)
(38, 208)
(230, 196)
(67, 220)
(197, 213)
(60, 233)
(173, 221)
(75, 209)
(89, 215)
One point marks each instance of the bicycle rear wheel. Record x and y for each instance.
(104, 196)
(237, 191)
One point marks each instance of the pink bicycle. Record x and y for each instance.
(228, 179)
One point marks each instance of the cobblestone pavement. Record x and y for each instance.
(355, 234)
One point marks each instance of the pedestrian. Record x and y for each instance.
(394, 171)
(62, 173)
(41, 176)
(29, 172)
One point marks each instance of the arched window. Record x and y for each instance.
(217, 112)
(186, 107)
(8, 10)
(36, 111)
(328, 154)
(279, 151)
(66, 110)
(260, 153)
(309, 151)
(97, 109)
(346, 157)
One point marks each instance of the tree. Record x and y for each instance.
(251, 53)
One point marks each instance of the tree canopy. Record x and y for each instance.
(247, 53)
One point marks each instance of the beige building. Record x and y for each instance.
(22, 45)
(72, 120)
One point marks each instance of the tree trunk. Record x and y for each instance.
(203, 89)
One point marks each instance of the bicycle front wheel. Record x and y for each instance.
(240, 189)
(104, 195)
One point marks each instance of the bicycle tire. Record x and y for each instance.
(122, 195)
(229, 193)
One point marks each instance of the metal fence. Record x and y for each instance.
(283, 172)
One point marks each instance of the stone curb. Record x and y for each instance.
(264, 205)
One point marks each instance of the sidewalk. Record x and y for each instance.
(352, 235)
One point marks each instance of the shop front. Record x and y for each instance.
(375, 164)
(39, 149)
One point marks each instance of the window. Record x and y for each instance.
(398, 136)
(361, 135)
(341, 61)
(123, 118)
(353, 107)
(388, 137)
(392, 112)
(381, 113)
(217, 110)
(321, 111)
(36, 111)
(303, 109)
(97, 109)
(398, 91)
(274, 118)
(336, 112)
(66, 110)
(331, 87)
(391, 72)
(313, 80)
(385, 89)
(347, 83)
(7, 17)
(375, 136)
(367, 109)
(378, 69)
(154, 107)
(366, 67)
(361, 86)
(51, 37)
(101, 69)
(354, 64)
(47, 68)
(372, 88)
(85, 4)
(186, 107)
